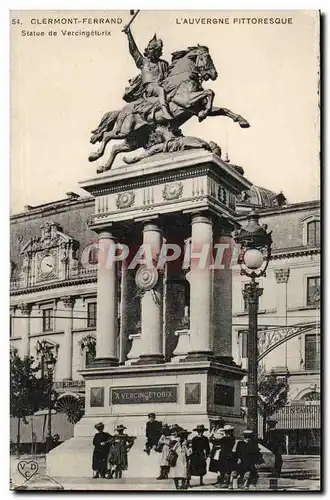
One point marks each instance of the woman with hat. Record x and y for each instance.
(178, 457)
(164, 448)
(101, 443)
(200, 452)
(216, 435)
(121, 444)
(226, 461)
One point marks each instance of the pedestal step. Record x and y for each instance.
(73, 458)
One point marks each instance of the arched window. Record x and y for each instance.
(313, 233)
(89, 359)
(93, 256)
(311, 396)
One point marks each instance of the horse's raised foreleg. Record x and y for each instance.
(118, 148)
(227, 112)
(209, 96)
(188, 100)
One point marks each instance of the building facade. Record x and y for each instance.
(289, 315)
(54, 307)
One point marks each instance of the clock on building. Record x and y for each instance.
(53, 255)
(47, 264)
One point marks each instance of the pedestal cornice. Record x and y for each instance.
(198, 367)
(188, 182)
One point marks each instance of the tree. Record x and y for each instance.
(272, 395)
(28, 393)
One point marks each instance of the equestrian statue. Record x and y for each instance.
(159, 101)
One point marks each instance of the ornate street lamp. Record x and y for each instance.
(255, 252)
(50, 362)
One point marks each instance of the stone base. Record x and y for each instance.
(183, 393)
(199, 356)
(152, 359)
(105, 362)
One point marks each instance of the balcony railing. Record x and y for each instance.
(91, 271)
(69, 384)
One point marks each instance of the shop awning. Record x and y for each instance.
(298, 417)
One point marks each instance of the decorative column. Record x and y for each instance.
(201, 288)
(129, 310)
(25, 329)
(150, 281)
(282, 277)
(107, 309)
(222, 294)
(252, 292)
(68, 303)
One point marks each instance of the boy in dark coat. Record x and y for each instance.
(247, 455)
(153, 433)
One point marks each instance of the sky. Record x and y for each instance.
(61, 86)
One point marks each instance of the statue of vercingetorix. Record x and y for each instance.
(153, 72)
(159, 101)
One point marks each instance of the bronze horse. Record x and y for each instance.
(136, 122)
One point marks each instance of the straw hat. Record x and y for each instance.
(228, 427)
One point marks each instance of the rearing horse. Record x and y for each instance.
(186, 98)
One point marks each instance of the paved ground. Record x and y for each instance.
(299, 473)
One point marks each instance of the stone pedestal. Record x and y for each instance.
(188, 394)
(184, 196)
(183, 345)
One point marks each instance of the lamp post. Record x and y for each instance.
(50, 368)
(255, 252)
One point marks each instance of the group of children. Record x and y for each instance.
(181, 458)
(110, 452)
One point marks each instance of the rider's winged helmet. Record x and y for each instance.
(154, 45)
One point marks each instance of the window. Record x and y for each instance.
(91, 314)
(47, 319)
(313, 290)
(312, 396)
(89, 359)
(312, 352)
(93, 256)
(313, 233)
(244, 344)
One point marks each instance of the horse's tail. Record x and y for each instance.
(106, 124)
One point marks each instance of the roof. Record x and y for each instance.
(261, 197)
